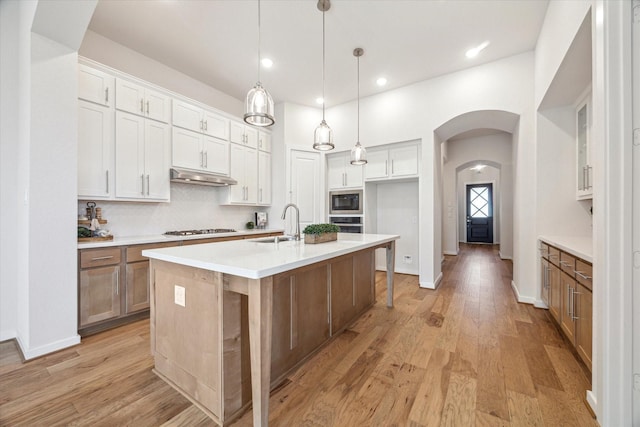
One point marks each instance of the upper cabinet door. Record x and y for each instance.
(377, 165)
(157, 106)
(187, 116)
(95, 86)
(129, 97)
(236, 133)
(215, 154)
(404, 160)
(264, 141)
(215, 125)
(95, 151)
(157, 158)
(136, 99)
(584, 168)
(251, 137)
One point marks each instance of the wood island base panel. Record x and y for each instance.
(224, 340)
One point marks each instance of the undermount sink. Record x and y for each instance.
(274, 239)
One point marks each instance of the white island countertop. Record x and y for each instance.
(255, 260)
(582, 247)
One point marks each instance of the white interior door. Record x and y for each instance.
(305, 188)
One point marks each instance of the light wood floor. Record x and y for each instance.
(466, 354)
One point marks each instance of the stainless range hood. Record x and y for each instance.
(200, 178)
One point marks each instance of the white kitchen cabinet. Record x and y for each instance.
(192, 150)
(95, 151)
(264, 141)
(194, 118)
(341, 173)
(584, 168)
(142, 158)
(264, 178)
(136, 99)
(244, 169)
(95, 86)
(394, 161)
(240, 133)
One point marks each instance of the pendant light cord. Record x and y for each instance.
(358, 141)
(259, 42)
(323, 97)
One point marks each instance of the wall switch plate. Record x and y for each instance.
(179, 295)
(407, 259)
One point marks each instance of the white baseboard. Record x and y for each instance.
(450, 253)
(48, 348)
(430, 285)
(505, 257)
(7, 335)
(540, 304)
(592, 401)
(520, 298)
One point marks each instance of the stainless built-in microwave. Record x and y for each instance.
(345, 202)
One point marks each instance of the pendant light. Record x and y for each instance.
(259, 104)
(358, 153)
(323, 135)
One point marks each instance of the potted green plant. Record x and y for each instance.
(320, 233)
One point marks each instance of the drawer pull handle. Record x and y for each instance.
(584, 276)
(100, 258)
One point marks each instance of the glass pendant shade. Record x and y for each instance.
(259, 107)
(323, 137)
(358, 155)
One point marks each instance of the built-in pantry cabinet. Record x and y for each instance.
(567, 283)
(584, 168)
(131, 132)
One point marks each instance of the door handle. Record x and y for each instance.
(147, 185)
(142, 184)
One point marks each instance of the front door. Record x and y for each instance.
(479, 213)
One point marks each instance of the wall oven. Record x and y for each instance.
(345, 202)
(347, 224)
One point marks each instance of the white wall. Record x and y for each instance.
(494, 148)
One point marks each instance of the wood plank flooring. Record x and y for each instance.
(465, 354)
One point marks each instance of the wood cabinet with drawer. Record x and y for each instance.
(569, 281)
(99, 285)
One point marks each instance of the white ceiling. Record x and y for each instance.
(215, 41)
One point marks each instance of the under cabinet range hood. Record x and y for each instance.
(200, 178)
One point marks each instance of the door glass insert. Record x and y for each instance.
(479, 202)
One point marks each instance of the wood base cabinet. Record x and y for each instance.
(569, 280)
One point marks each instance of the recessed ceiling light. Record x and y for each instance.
(319, 100)
(267, 63)
(473, 52)
(381, 81)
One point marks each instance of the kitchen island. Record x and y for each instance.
(229, 320)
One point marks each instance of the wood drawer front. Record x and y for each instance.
(584, 274)
(554, 255)
(544, 250)
(99, 257)
(568, 263)
(134, 253)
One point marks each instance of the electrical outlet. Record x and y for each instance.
(407, 259)
(179, 295)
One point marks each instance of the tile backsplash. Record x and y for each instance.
(191, 207)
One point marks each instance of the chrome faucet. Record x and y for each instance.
(284, 214)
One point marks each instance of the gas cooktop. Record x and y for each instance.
(202, 231)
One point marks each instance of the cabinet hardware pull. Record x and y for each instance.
(589, 169)
(261, 194)
(206, 157)
(118, 282)
(386, 168)
(107, 181)
(573, 303)
(142, 105)
(147, 108)
(106, 95)
(147, 185)
(202, 159)
(100, 258)
(568, 301)
(201, 125)
(584, 276)
(392, 168)
(206, 125)
(142, 184)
